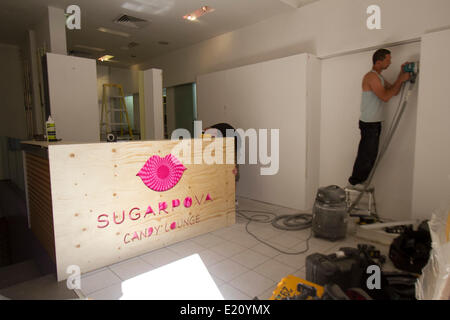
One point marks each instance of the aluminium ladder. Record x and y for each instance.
(108, 118)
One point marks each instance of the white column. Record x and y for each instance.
(153, 105)
(57, 30)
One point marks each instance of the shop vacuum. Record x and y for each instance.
(330, 216)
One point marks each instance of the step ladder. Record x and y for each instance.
(108, 123)
(366, 205)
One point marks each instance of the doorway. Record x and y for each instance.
(180, 110)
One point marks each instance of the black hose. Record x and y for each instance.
(290, 222)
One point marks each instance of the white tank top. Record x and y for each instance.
(371, 105)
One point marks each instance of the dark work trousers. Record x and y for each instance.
(367, 151)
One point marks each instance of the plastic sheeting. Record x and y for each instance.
(434, 283)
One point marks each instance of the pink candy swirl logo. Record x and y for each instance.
(161, 174)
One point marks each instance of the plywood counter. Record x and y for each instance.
(95, 204)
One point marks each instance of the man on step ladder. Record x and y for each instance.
(375, 91)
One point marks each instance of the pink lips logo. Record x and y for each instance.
(161, 174)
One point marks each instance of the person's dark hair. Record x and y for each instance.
(223, 127)
(380, 55)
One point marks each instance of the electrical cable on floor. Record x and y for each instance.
(290, 222)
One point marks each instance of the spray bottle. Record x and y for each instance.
(51, 129)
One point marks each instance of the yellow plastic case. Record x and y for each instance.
(287, 287)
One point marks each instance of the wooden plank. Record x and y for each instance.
(40, 202)
(44, 237)
(91, 180)
(377, 236)
(390, 224)
(41, 211)
(40, 176)
(37, 176)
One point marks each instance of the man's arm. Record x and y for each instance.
(387, 85)
(383, 93)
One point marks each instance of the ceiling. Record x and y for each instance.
(165, 23)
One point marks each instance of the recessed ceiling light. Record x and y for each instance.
(198, 13)
(105, 58)
(89, 48)
(117, 33)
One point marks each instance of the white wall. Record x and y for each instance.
(323, 28)
(73, 98)
(102, 77)
(270, 95)
(431, 187)
(128, 78)
(341, 98)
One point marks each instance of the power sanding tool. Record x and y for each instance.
(413, 69)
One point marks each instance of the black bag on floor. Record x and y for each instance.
(400, 285)
(346, 268)
(411, 250)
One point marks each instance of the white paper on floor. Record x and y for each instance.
(184, 279)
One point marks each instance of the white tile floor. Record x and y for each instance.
(241, 266)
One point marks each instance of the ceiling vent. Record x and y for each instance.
(131, 22)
